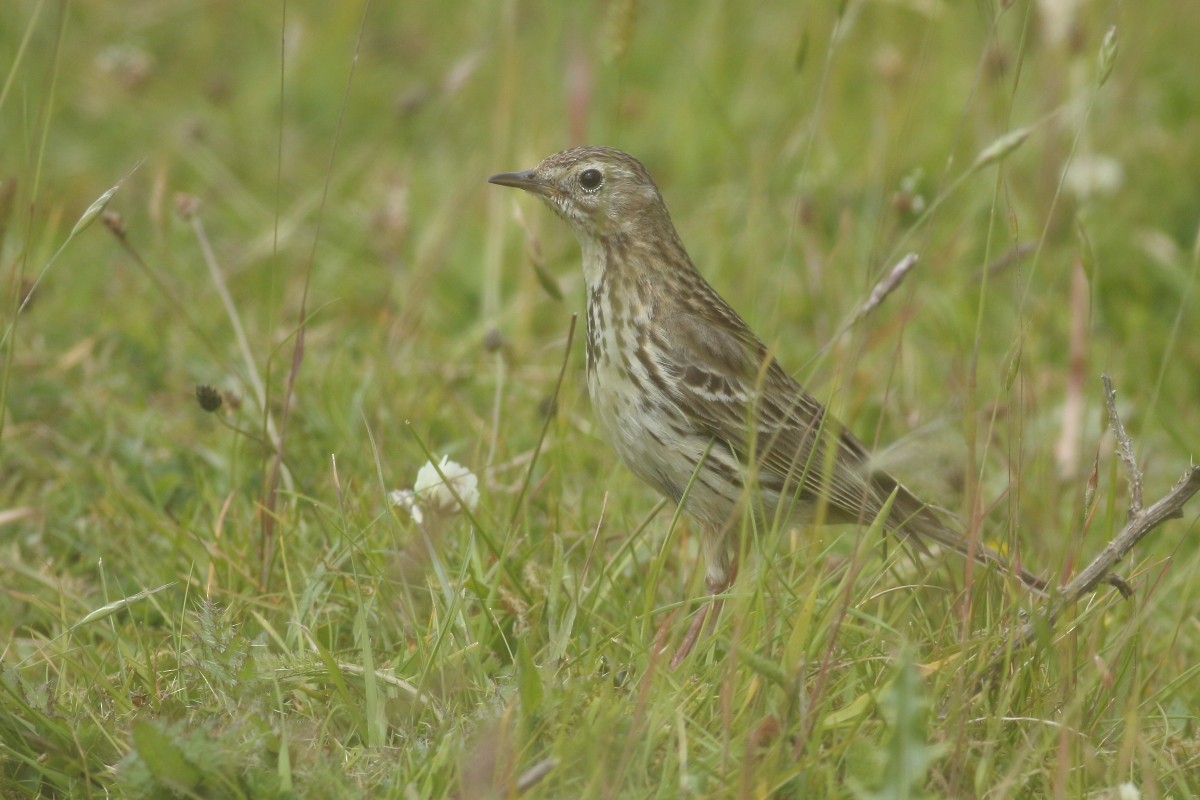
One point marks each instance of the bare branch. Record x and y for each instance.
(1140, 522)
(1124, 448)
(1097, 572)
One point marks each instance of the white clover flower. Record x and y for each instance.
(1059, 17)
(1093, 175)
(431, 495)
(437, 496)
(408, 501)
(1128, 791)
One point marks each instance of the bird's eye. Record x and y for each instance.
(590, 179)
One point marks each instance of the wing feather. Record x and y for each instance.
(731, 387)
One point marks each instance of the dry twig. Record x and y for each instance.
(1141, 521)
(1124, 448)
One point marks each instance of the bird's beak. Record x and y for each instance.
(526, 180)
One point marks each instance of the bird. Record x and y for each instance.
(692, 400)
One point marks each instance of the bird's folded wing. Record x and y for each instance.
(724, 379)
(728, 384)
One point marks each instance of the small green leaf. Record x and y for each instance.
(797, 643)
(908, 751)
(1001, 148)
(1107, 57)
(1014, 364)
(118, 605)
(529, 680)
(94, 210)
(852, 712)
(163, 758)
(375, 717)
(767, 669)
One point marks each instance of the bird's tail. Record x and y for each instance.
(922, 523)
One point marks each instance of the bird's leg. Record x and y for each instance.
(717, 581)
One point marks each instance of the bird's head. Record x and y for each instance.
(600, 191)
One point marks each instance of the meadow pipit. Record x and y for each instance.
(688, 396)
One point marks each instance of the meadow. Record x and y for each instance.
(253, 280)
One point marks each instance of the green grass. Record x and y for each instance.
(161, 635)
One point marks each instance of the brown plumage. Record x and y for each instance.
(688, 395)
